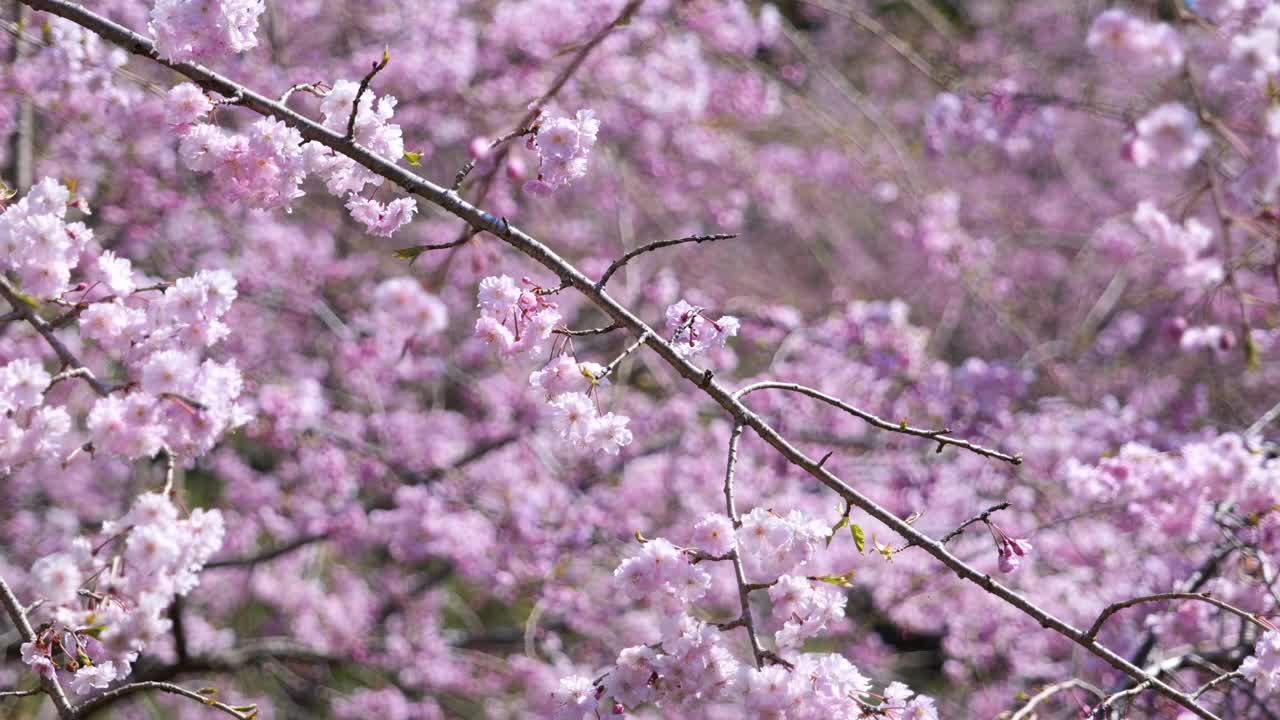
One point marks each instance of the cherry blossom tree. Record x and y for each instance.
(706, 359)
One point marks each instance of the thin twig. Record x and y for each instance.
(268, 554)
(170, 470)
(744, 620)
(983, 516)
(616, 265)
(592, 331)
(1114, 608)
(20, 693)
(67, 358)
(364, 85)
(1025, 711)
(608, 369)
(316, 88)
(1226, 677)
(938, 436)
(242, 712)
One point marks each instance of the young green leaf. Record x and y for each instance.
(859, 537)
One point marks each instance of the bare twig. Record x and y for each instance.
(1226, 677)
(983, 516)
(268, 554)
(241, 712)
(616, 265)
(1114, 608)
(744, 620)
(1026, 711)
(316, 88)
(67, 358)
(592, 331)
(364, 86)
(939, 436)
(20, 693)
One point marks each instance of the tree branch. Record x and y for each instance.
(1114, 608)
(939, 436)
(616, 265)
(18, 614)
(68, 359)
(364, 86)
(268, 554)
(1025, 711)
(241, 712)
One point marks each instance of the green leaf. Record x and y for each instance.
(1252, 360)
(859, 537)
(414, 158)
(410, 253)
(208, 691)
(837, 580)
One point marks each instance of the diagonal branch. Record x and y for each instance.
(26, 312)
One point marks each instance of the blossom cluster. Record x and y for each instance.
(266, 165)
(1263, 667)
(200, 30)
(771, 545)
(170, 399)
(104, 607)
(694, 333)
(563, 145)
(693, 662)
(518, 318)
(1122, 38)
(38, 244)
(1169, 137)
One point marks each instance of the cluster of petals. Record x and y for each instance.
(1262, 668)
(661, 567)
(1254, 53)
(263, 167)
(562, 144)
(771, 545)
(517, 318)
(151, 555)
(1169, 137)
(1122, 38)
(694, 334)
(514, 318)
(177, 399)
(266, 165)
(38, 244)
(198, 30)
(804, 607)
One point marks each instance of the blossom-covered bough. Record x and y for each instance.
(149, 559)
